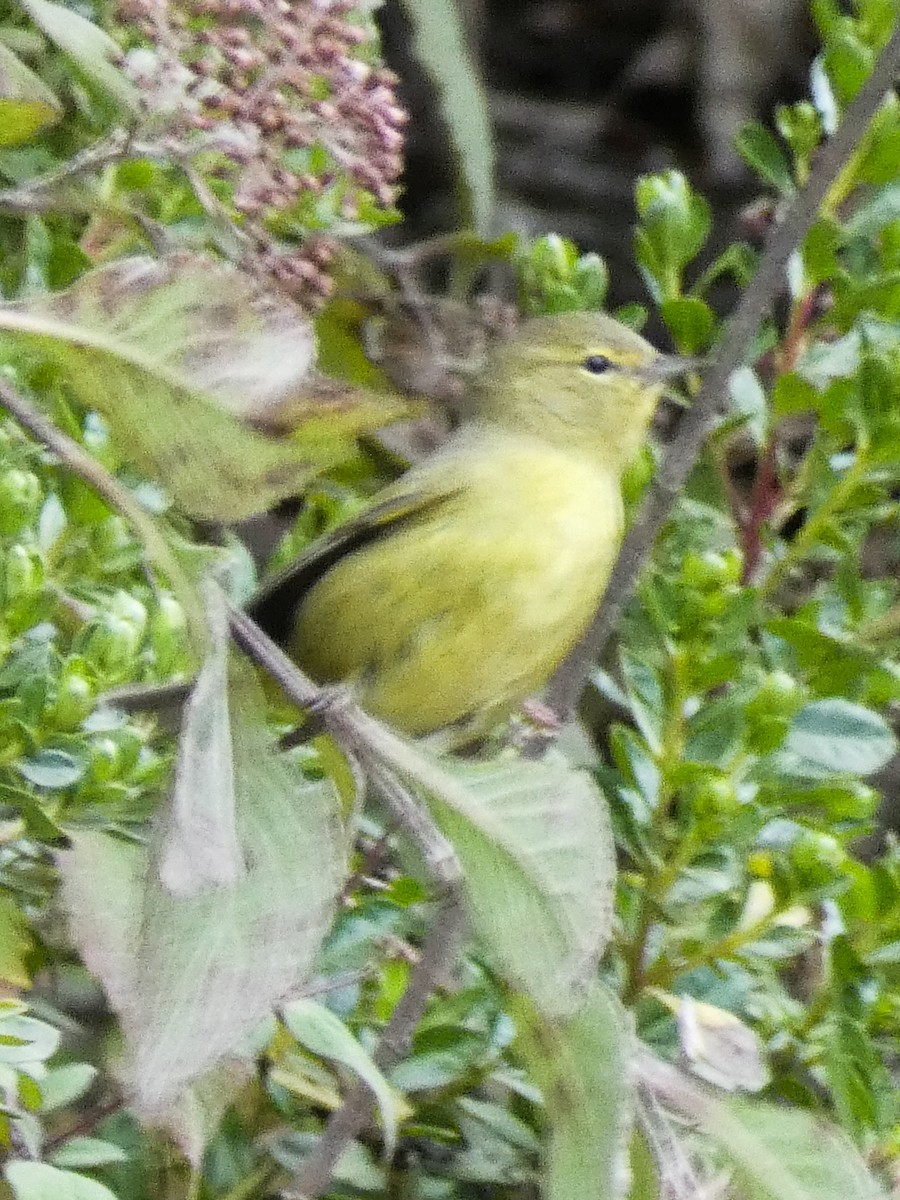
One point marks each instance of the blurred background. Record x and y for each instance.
(586, 95)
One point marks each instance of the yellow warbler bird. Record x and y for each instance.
(456, 594)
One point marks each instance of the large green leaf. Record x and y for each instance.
(27, 105)
(180, 356)
(38, 1181)
(778, 1152)
(771, 1151)
(536, 849)
(200, 846)
(87, 1153)
(321, 1032)
(94, 51)
(581, 1066)
(835, 735)
(439, 41)
(192, 976)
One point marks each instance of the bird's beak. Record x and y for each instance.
(670, 366)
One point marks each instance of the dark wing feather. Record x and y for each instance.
(275, 603)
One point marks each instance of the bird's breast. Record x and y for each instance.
(554, 522)
(467, 608)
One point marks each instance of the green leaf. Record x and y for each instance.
(199, 838)
(645, 696)
(634, 760)
(94, 51)
(581, 1066)
(27, 105)
(645, 1182)
(691, 322)
(86, 1153)
(842, 665)
(38, 1181)
(51, 769)
(554, 279)
(759, 149)
(855, 1074)
(500, 1121)
(793, 394)
(820, 247)
(192, 976)
(878, 210)
(779, 1152)
(439, 42)
(848, 63)
(63, 1085)
(749, 400)
(172, 353)
(26, 1040)
(591, 279)
(321, 1032)
(834, 735)
(675, 223)
(537, 854)
(800, 126)
(882, 144)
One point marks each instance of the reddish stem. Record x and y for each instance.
(766, 491)
(793, 338)
(766, 494)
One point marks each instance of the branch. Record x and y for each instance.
(42, 194)
(675, 1089)
(383, 753)
(566, 686)
(385, 757)
(314, 1174)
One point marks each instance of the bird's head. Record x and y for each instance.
(582, 381)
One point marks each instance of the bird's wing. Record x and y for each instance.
(273, 607)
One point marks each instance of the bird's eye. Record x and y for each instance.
(596, 364)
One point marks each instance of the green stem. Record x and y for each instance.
(662, 974)
(254, 1184)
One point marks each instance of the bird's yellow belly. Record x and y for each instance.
(465, 611)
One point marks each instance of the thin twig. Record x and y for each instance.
(345, 720)
(679, 1178)
(41, 194)
(684, 450)
(46, 193)
(438, 949)
(383, 753)
(440, 857)
(87, 1122)
(677, 1091)
(386, 758)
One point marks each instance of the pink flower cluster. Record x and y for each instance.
(289, 96)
